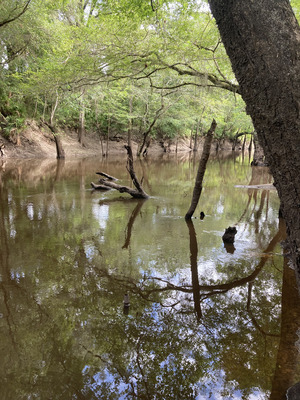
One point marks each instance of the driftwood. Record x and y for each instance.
(111, 178)
(99, 187)
(122, 189)
(106, 183)
(264, 186)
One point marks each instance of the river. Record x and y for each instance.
(108, 297)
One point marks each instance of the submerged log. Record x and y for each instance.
(107, 183)
(123, 189)
(99, 187)
(229, 234)
(111, 178)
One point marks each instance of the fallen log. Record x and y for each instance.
(124, 189)
(107, 183)
(111, 178)
(265, 186)
(99, 187)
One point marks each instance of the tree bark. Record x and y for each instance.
(201, 170)
(259, 155)
(262, 39)
(60, 153)
(288, 355)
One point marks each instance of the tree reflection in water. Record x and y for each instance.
(188, 334)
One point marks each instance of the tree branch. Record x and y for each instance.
(11, 19)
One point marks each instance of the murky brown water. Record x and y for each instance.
(204, 322)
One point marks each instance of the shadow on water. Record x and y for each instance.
(104, 297)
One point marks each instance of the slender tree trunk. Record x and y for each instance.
(191, 137)
(250, 144)
(81, 129)
(201, 170)
(108, 133)
(44, 109)
(130, 122)
(147, 132)
(60, 153)
(244, 144)
(262, 39)
(196, 135)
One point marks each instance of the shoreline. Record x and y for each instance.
(35, 142)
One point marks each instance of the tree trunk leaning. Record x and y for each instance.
(201, 170)
(60, 153)
(262, 39)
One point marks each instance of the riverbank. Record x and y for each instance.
(37, 141)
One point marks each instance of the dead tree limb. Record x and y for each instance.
(158, 113)
(111, 178)
(99, 187)
(137, 193)
(201, 170)
(131, 171)
(122, 189)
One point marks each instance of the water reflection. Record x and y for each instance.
(202, 322)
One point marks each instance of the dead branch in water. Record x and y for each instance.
(111, 178)
(106, 183)
(201, 170)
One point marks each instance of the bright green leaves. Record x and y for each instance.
(144, 50)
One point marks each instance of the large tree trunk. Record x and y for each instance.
(262, 39)
(259, 155)
(288, 355)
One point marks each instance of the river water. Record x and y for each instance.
(107, 297)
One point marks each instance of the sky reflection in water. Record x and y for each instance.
(203, 323)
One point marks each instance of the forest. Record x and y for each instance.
(151, 69)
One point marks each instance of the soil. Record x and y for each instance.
(37, 141)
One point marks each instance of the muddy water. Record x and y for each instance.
(200, 321)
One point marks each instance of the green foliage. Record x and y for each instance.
(74, 46)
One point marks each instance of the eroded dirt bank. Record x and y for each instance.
(38, 142)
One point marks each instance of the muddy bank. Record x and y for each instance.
(38, 142)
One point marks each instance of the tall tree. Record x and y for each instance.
(262, 40)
